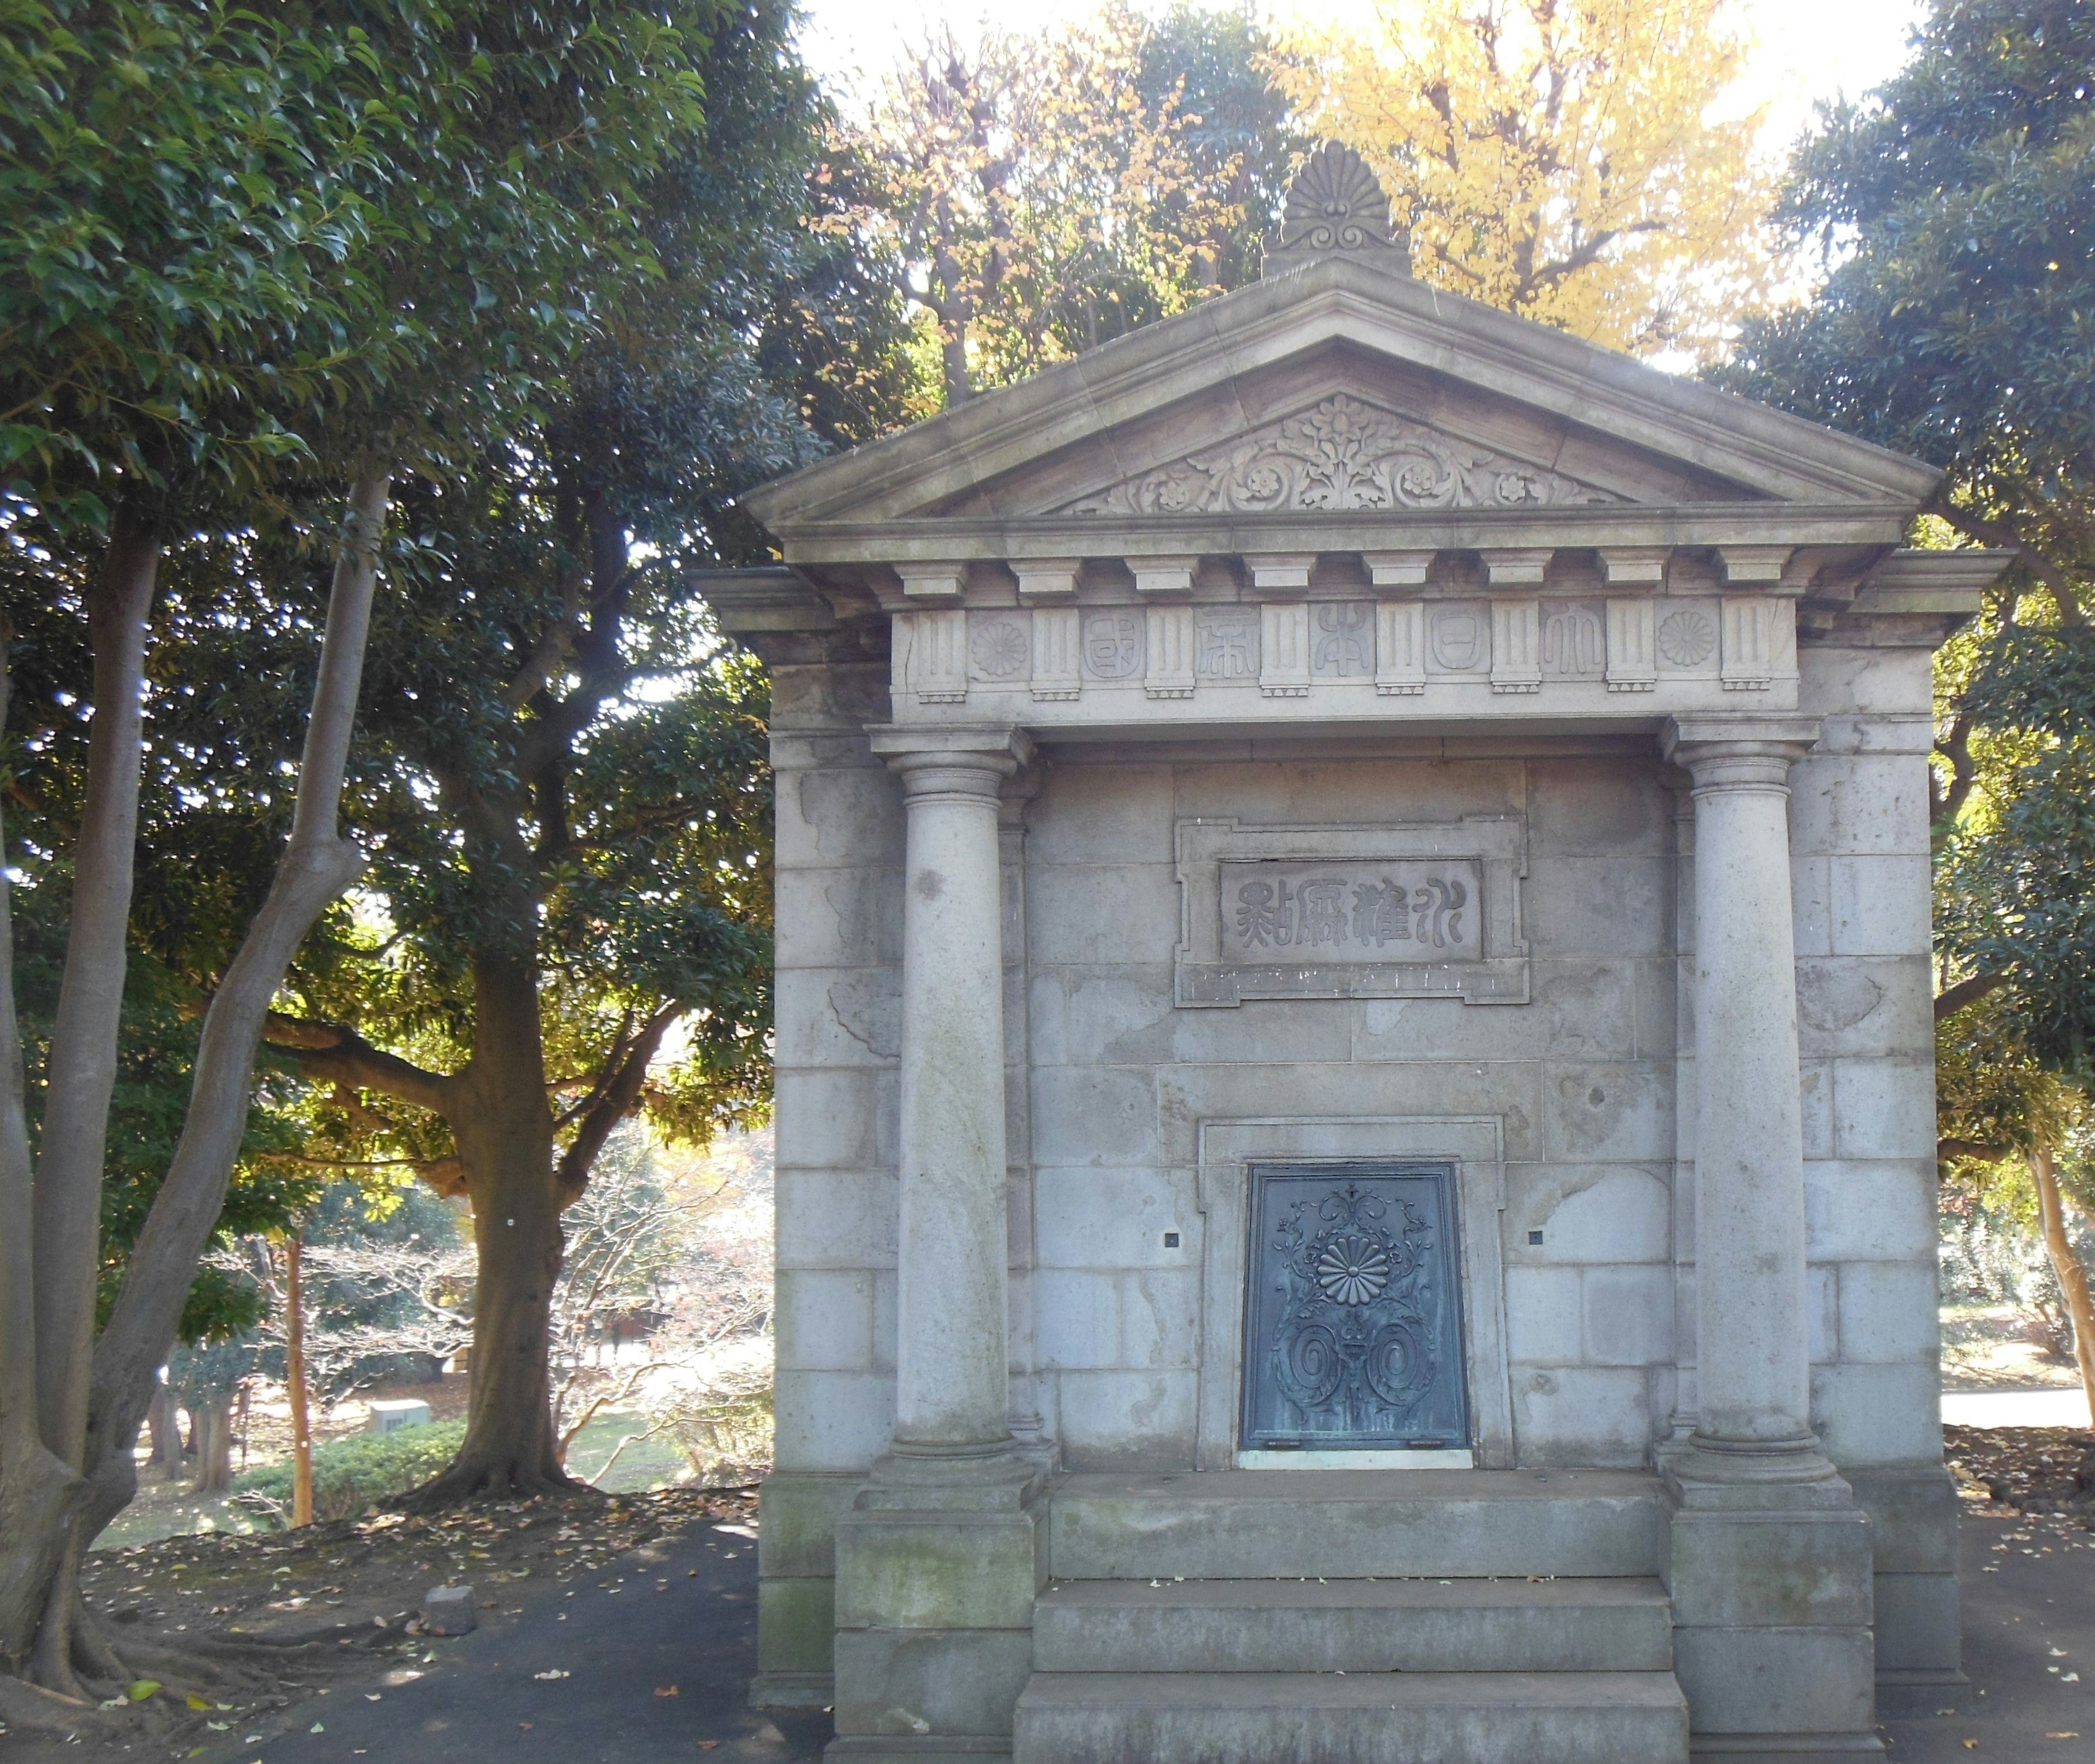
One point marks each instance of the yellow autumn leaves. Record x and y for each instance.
(1569, 160)
(1565, 161)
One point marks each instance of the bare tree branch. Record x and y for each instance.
(1951, 999)
(335, 1051)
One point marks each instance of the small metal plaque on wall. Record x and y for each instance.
(1428, 910)
(1354, 1323)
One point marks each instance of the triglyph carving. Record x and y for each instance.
(1342, 455)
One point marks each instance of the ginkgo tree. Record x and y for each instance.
(1572, 163)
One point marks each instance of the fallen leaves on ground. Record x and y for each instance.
(346, 1595)
(2007, 1471)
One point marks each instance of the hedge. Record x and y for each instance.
(353, 1474)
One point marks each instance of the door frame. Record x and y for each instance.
(1472, 1143)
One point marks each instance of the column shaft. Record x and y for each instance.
(952, 1378)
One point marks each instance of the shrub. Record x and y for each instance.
(353, 1474)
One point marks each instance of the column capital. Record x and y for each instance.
(963, 759)
(1735, 751)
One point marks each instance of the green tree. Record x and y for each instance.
(1047, 191)
(564, 782)
(249, 260)
(1958, 322)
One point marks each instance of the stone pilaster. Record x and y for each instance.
(939, 1557)
(1770, 1565)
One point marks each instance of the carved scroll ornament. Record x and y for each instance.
(1342, 455)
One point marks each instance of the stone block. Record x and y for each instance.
(1580, 1009)
(448, 1611)
(1750, 1571)
(1883, 1107)
(840, 815)
(1882, 905)
(898, 1682)
(1814, 1090)
(797, 1530)
(1855, 1006)
(941, 1568)
(1822, 1302)
(1615, 1114)
(1598, 906)
(1891, 682)
(1078, 1016)
(1918, 1624)
(1542, 1308)
(1581, 1415)
(1102, 814)
(1785, 1682)
(838, 918)
(825, 1319)
(1124, 1420)
(1628, 1314)
(1431, 1088)
(1114, 1219)
(1355, 792)
(839, 1421)
(1869, 1211)
(1663, 1015)
(836, 1218)
(1587, 1213)
(1078, 1318)
(834, 1119)
(840, 1017)
(1887, 1311)
(1913, 1517)
(1160, 1319)
(1097, 913)
(1878, 1414)
(796, 1623)
(1859, 804)
(1811, 905)
(1600, 808)
(887, 1298)
(1093, 1115)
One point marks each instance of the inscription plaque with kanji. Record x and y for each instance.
(1430, 910)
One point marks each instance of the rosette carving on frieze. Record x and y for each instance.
(1341, 457)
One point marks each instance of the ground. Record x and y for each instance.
(625, 1630)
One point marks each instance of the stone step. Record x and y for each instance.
(1250, 1525)
(1353, 1626)
(1376, 1717)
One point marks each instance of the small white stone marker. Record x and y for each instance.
(448, 1611)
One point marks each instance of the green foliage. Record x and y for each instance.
(1959, 324)
(353, 1474)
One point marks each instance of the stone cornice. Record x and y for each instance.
(891, 542)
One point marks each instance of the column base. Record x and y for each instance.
(1921, 1691)
(1771, 1580)
(938, 1562)
(811, 1691)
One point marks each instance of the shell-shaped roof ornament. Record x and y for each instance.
(1336, 205)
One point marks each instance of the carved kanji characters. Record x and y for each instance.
(1382, 913)
(1323, 906)
(1266, 913)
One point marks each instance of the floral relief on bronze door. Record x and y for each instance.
(1353, 1332)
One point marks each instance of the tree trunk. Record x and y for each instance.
(503, 1126)
(2065, 1263)
(38, 1493)
(317, 866)
(211, 1419)
(294, 1379)
(80, 1071)
(167, 1431)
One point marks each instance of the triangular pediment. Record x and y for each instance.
(1338, 387)
(1341, 455)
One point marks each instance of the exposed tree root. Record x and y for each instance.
(467, 1480)
(30, 1706)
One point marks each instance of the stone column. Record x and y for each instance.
(951, 1396)
(940, 1559)
(1770, 1566)
(1753, 1368)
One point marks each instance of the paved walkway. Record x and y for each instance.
(686, 1619)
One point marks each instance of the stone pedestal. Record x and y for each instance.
(939, 1557)
(1770, 1566)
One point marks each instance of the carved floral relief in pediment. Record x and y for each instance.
(1342, 455)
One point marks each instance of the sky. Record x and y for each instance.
(1808, 50)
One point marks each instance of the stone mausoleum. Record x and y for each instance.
(1355, 1112)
